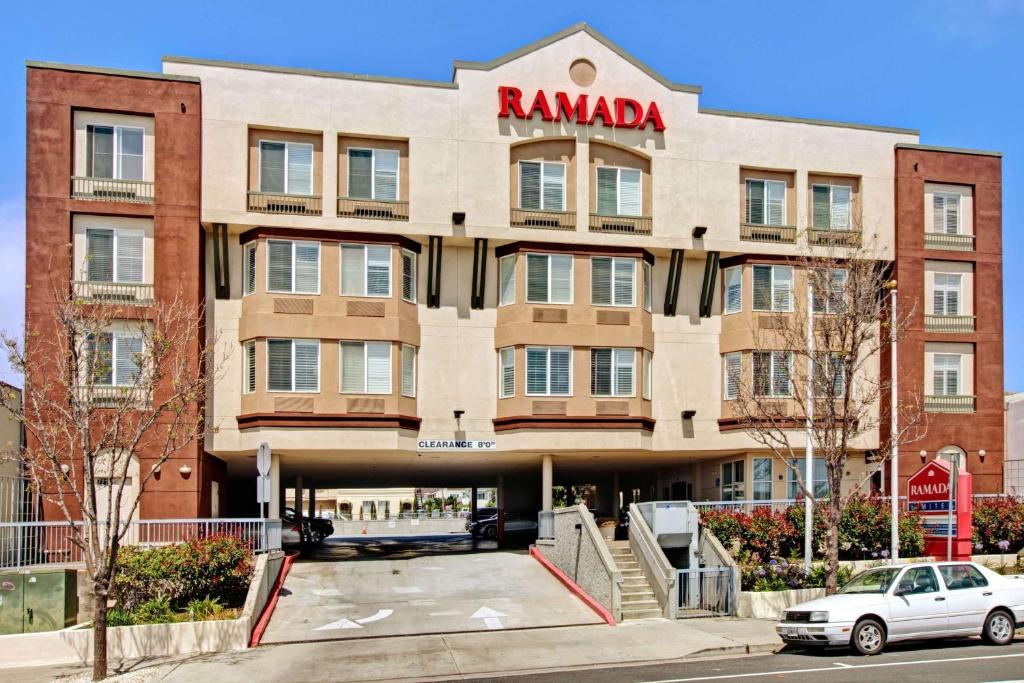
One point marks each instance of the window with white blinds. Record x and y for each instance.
(619, 191)
(946, 212)
(773, 288)
(286, 167)
(373, 173)
(366, 367)
(548, 371)
(946, 294)
(733, 289)
(732, 375)
(832, 301)
(293, 267)
(366, 270)
(115, 358)
(506, 372)
(946, 374)
(542, 185)
(831, 207)
(829, 375)
(648, 285)
(612, 372)
(507, 280)
(293, 365)
(772, 371)
(249, 367)
(647, 379)
(612, 281)
(116, 152)
(114, 255)
(766, 202)
(408, 276)
(408, 370)
(249, 269)
(549, 278)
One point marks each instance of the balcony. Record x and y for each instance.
(620, 225)
(287, 204)
(942, 240)
(545, 220)
(834, 238)
(125, 293)
(949, 404)
(110, 396)
(373, 209)
(112, 190)
(778, 234)
(950, 324)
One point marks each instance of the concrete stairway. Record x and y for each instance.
(638, 601)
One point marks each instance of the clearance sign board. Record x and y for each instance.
(928, 497)
(621, 112)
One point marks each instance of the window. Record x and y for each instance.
(918, 580)
(549, 278)
(366, 270)
(612, 281)
(507, 277)
(408, 275)
(116, 152)
(946, 374)
(819, 473)
(542, 185)
(648, 285)
(507, 372)
(831, 207)
(116, 358)
(286, 167)
(612, 372)
(293, 267)
(114, 255)
(961, 576)
(548, 371)
(373, 174)
(249, 269)
(366, 367)
(772, 371)
(766, 202)
(835, 282)
(732, 480)
(249, 371)
(618, 191)
(733, 289)
(946, 212)
(762, 480)
(648, 362)
(733, 374)
(408, 370)
(773, 288)
(293, 365)
(946, 294)
(830, 381)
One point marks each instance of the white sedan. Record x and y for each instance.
(910, 602)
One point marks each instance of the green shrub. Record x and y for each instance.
(995, 520)
(203, 609)
(155, 611)
(816, 577)
(117, 617)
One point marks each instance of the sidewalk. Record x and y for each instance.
(461, 655)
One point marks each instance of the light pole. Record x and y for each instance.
(809, 450)
(894, 471)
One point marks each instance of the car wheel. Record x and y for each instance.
(868, 637)
(490, 532)
(998, 628)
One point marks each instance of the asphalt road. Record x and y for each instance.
(946, 661)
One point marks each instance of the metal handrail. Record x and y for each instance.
(834, 238)
(128, 293)
(618, 224)
(112, 189)
(375, 209)
(943, 240)
(544, 220)
(949, 404)
(288, 204)
(755, 232)
(948, 323)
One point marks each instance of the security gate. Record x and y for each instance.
(704, 592)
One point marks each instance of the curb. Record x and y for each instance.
(275, 591)
(573, 587)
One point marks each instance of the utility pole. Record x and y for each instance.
(809, 450)
(894, 483)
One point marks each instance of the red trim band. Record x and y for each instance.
(330, 236)
(586, 249)
(328, 420)
(268, 609)
(573, 587)
(502, 424)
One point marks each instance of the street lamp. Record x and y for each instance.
(894, 470)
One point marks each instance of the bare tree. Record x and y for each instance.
(827, 385)
(108, 386)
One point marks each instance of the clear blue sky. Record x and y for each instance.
(951, 68)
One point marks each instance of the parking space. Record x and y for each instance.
(386, 586)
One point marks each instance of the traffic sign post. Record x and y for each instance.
(263, 483)
(945, 510)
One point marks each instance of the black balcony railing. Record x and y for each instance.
(781, 234)
(545, 220)
(288, 204)
(834, 238)
(621, 225)
(373, 209)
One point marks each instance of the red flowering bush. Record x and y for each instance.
(997, 520)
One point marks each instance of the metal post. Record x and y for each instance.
(809, 449)
(546, 476)
(894, 472)
(954, 460)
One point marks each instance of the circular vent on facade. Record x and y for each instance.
(582, 72)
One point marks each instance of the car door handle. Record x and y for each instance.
(987, 593)
(940, 599)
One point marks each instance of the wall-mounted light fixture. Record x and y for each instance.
(65, 468)
(982, 454)
(699, 231)
(688, 414)
(458, 217)
(185, 469)
(924, 456)
(458, 414)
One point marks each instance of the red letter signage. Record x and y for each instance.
(624, 112)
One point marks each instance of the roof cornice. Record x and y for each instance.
(104, 71)
(950, 150)
(810, 122)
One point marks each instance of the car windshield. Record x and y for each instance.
(874, 581)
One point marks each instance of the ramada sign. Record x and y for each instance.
(623, 112)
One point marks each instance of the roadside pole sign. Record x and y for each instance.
(263, 459)
(928, 496)
(262, 490)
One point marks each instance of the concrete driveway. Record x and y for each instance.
(387, 586)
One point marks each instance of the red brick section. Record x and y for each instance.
(982, 429)
(52, 97)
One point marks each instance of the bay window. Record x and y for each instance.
(373, 174)
(648, 379)
(733, 289)
(408, 275)
(773, 288)
(828, 290)
(549, 278)
(542, 185)
(408, 370)
(286, 167)
(648, 285)
(733, 364)
(548, 371)
(612, 372)
(619, 191)
(506, 372)
(293, 267)
(366, 270)
(366, 367)
(293, 365)
(249, 269)
(772, 371)
(249, 367)
(506, 280)
(612, 281)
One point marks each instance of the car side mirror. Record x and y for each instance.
(904, 589)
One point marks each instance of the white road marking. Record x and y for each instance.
(829, 668)
(844, 665)
(327, 592)
(348, 623)
(381, 614)
(407, 589)
(451, 613)
(492, 618)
